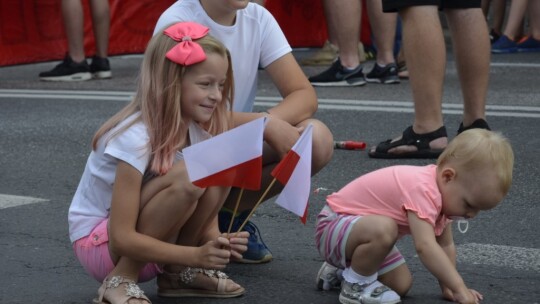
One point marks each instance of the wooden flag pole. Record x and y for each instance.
(235, 210)
(256, 205)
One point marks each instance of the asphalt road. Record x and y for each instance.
(45, 134)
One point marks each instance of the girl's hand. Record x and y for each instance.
(238, 243)
(214, 254)
(468, 296)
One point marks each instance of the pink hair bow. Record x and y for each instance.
(186, 52)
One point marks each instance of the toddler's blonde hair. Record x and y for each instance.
(478, 148)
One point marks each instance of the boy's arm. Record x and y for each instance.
(446, 241)
(435, 259)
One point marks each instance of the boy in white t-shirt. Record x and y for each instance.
(255, 40)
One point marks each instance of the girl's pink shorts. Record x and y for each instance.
(93, 253)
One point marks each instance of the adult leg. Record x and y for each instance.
(101, 24)
(498, 13)
(425, 54)
(472, 50)
(514, 23)
(383, 27)
(343, 18)
(72, 12)
(534, 19)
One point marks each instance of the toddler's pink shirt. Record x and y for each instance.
(391, 192)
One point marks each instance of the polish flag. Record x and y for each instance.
(233, 158)
(294, 172)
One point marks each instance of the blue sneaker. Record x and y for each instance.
(257, 252)
(529, 45)
(504, 45)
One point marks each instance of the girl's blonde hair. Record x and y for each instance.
(158, 98)
(478, 148)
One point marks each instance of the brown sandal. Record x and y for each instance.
(179, 284)
(107, 296)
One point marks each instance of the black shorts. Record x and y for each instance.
(390, 6)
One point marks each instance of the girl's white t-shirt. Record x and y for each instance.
(92, 200)
(254, 40)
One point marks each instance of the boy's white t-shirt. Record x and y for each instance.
(255, 39)
(92, 200)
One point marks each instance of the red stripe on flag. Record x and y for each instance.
(246, 175)
(303, 219)
(283, 171)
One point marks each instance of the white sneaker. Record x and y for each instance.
(373, 293)
(329, 277)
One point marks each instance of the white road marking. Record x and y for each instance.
(396, 106)
(7, 201)
(500, 256)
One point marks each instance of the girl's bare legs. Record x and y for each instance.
(167, 202)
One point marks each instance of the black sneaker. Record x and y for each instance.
(68, 70)
(387, 74)
(100, 68)
(477, 124)
(337, 76)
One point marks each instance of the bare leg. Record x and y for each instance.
(425, 54)
(399, 279)
(101, 24)
(534, 18)
(167, 203)
(343, 17)
(371, 239)
(383, 27)
(498, 13)
(469, 32)
(514, 24)
(72, 12)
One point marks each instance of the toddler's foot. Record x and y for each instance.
(329, 277)
(373, 293)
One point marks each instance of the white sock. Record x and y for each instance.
(352, 277)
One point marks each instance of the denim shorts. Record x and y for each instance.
(396, 5)
(92, 252)
(332, 232)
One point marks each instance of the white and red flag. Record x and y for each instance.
(233, 158)
(294, 172)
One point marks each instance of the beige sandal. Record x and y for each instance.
(108, 295)
(179, 284)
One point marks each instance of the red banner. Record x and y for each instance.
(33, 30)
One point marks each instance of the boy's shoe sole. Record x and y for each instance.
(72, 77)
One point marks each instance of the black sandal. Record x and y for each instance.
(477, 124)
(410, 138)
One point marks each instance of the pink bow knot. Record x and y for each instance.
(187, 51)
